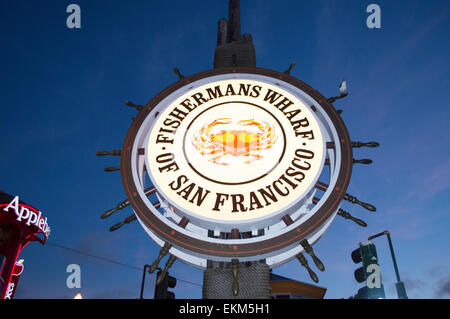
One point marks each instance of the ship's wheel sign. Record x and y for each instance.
(246, 163)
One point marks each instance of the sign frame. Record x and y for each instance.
(232, 248)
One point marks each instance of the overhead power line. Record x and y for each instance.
(110, 260)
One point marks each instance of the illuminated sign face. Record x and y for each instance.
(27, 215)
(235, 150)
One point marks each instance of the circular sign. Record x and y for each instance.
(234, 150)
(235, 156)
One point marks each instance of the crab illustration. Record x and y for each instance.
(244, 138)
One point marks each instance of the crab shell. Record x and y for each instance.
(248, 141)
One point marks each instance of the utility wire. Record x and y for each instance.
(93, 256)
(110, 260)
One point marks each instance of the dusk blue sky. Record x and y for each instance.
(62, 93)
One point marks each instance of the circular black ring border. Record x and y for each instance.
(245, 182)
(205, 248)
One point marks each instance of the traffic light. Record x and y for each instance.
(369, 272)
(161, 291)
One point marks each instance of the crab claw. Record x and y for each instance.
(215, 158)
(224, 120)
(248, 122)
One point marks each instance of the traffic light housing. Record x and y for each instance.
(369, 272)
(161, 290)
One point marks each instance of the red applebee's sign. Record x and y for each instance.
(17, 271)
(27, 215)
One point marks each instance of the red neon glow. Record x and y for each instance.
(24, 228)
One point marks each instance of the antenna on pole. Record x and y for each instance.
(234, 18)
(232, 48)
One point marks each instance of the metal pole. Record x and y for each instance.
(223, 280)
(393, 256)
(143, 281)
(400, 286)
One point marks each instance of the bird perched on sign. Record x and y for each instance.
(343, 87)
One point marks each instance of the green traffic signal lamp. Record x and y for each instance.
(356, 256)
(360, 274)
